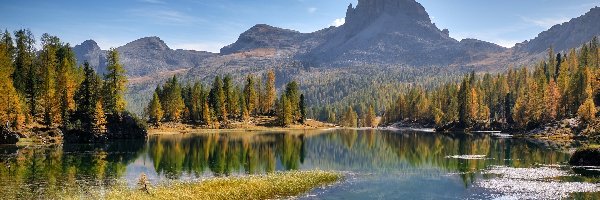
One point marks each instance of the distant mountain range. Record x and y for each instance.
(384, 33)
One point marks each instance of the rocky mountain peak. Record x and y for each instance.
(369, 10)
(88, 45)
(154, 43)
(263, 36)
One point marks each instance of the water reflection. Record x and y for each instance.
(32, 172)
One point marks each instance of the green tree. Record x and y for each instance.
(270, 91)
(89, 113)
(285, 111)
(302, 109)
(217, 99)
(115, 83)
(292, 92)
(172, 101)
(231, 100)
(25, 75)
(154, 110)
(250, 95)
(48, 65)
(10, 103)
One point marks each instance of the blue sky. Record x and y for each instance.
(211, 24)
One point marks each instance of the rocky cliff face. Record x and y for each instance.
(90, 51)
(567, 35)
(393, 32)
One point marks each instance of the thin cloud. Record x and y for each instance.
(545, 22)
(153, 1)
(338, 22)
(312, 10)
(166, 16)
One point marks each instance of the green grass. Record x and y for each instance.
(270, 186)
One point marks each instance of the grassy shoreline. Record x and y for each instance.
(270, 186)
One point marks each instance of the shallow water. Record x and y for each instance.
(378, 164)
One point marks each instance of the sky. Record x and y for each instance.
(209, 25)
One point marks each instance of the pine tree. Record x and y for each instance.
(25, 75)
(302, 109)
(10, 103)
(270, 91)
(206, 114)
(285, 111)
(67, 80)
(88, 102)
(230, 98)
(48, 62)
(99, 119)
(250, 95)
(244, 114)
(587, 111)
(197, 102)
(217, 99)
(551, 101)
(115, 83)
(370, 117)
(172, 101)
(154, 110)
(292, 93)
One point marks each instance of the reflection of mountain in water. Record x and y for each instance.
(52, 171)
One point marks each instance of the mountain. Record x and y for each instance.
(388, 32)
(143, 57)
(383, 44)
(566, 35)
(90, 51)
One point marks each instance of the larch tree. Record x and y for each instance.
(68, 76)
(250, 95)
(48, 65)
(154, 110)
(270, 91)
(10, 102)
(115, 84)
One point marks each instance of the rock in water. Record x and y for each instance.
(589, 156)
(8, 137)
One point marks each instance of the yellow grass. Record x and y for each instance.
(271, 186)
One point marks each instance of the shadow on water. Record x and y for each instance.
(49, 171)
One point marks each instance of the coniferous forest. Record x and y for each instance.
(226, 102)
(563, 86)
(45, 89)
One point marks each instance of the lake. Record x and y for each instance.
(377, 164)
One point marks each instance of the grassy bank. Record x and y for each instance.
(271, 186)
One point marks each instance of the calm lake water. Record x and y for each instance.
(376, 164)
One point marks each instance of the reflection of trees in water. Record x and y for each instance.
(49, 171)
(52, 171)
(375, 151)
(224, 154)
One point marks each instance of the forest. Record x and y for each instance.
(46, 89)
(224, 102)
(563, 86)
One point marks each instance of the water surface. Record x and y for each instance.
(376, 164)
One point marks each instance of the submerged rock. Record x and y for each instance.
(589, 156)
